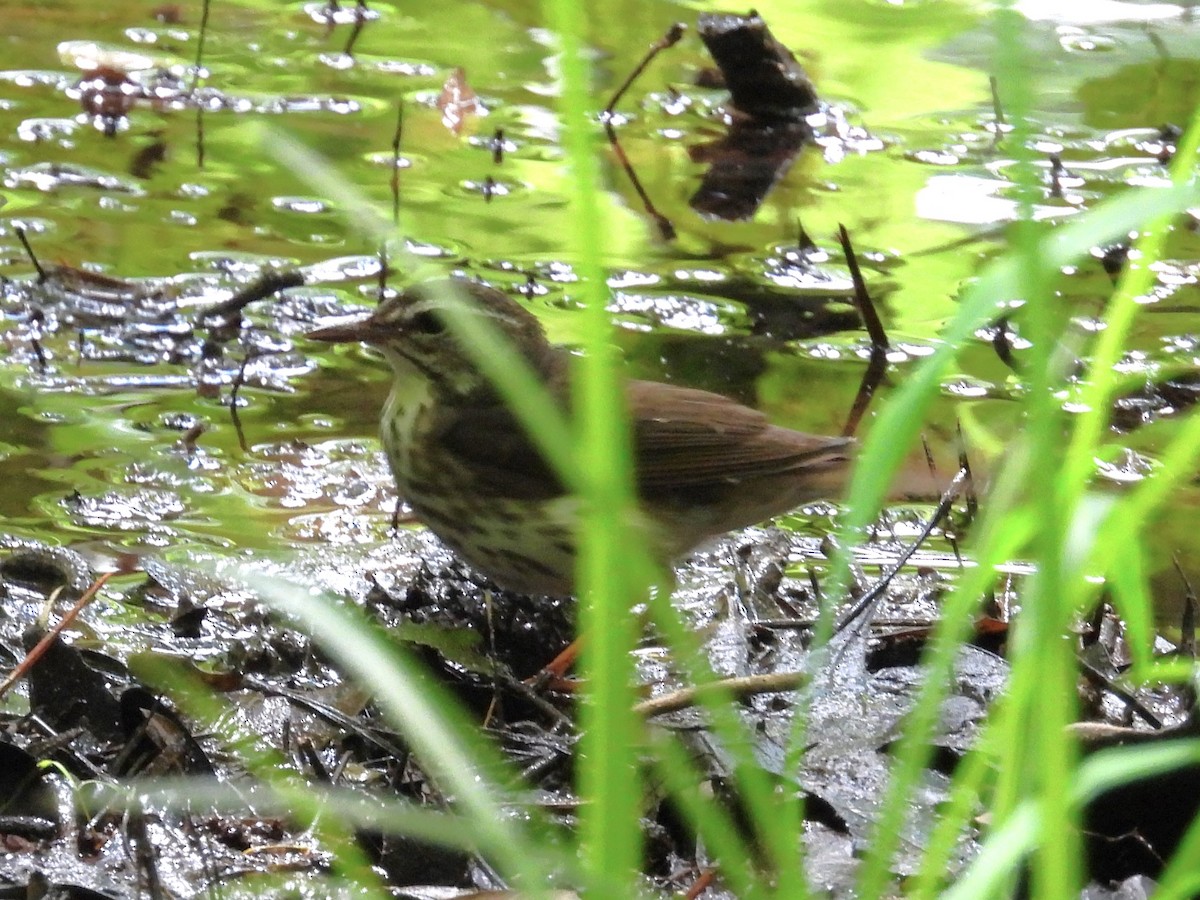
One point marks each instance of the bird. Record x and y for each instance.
(703, 463)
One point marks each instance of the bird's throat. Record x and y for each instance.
(411, 395)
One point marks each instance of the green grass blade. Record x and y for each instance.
(608, 775)
(1135, 280)
(992, 871)
(445, 741)
(499, 361)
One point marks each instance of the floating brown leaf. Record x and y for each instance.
(458, 103)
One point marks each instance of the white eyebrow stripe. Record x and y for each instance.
(435, 305)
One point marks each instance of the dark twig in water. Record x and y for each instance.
(360, 21)
(964, 464)
(200, 136)
(384, 271)
(340, 769)
(36, 320)
(531, 696)
(1057, 171)
(929, 463)
(208, 862)
(270, 282)
(395, 182)
(949, 532)
(330, 12)
(189, 438)
(1002, 344)
(200, 42)
(997, 109)
(19, 231)
(862, 298)
(665, 228)
(39, 353)
(783, 603)
(1160, 46)
(1113, 259)
(868, 601)
(238, 381)
(804, 243)
(951, 537)
(1168, 138)
(952, 540)
(877, 363)
(1187, 623)
(670, 39)
(674, 33)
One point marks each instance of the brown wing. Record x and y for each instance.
(684, 439)
(689, 438)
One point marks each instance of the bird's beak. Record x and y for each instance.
(364, 329)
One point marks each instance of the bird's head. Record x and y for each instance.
(415, 332)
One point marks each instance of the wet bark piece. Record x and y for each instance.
(66, 692)
(1170, 396)
(27, 801)
(744, 166)
(771, 95)
(763, 78)
(459, 104)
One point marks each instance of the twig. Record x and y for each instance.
(238, 381)
(701, 884)
(670, 39)
(264, 286)
(200, 145)
(200, 42)
(1002, 344)
(871, 597)
(964, 463)
(674, 33)
(396, 135)
(741, 686)
(665, 228)
(872, 378)
(862, 298)
(360, 21)
(20, 233)
(997, 109)
(1121, 694)
(39, 649)
(804, 243)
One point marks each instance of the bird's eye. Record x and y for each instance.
(427, 323)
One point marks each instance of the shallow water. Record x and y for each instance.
(91, 452)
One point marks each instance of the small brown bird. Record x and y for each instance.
(703, 463)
